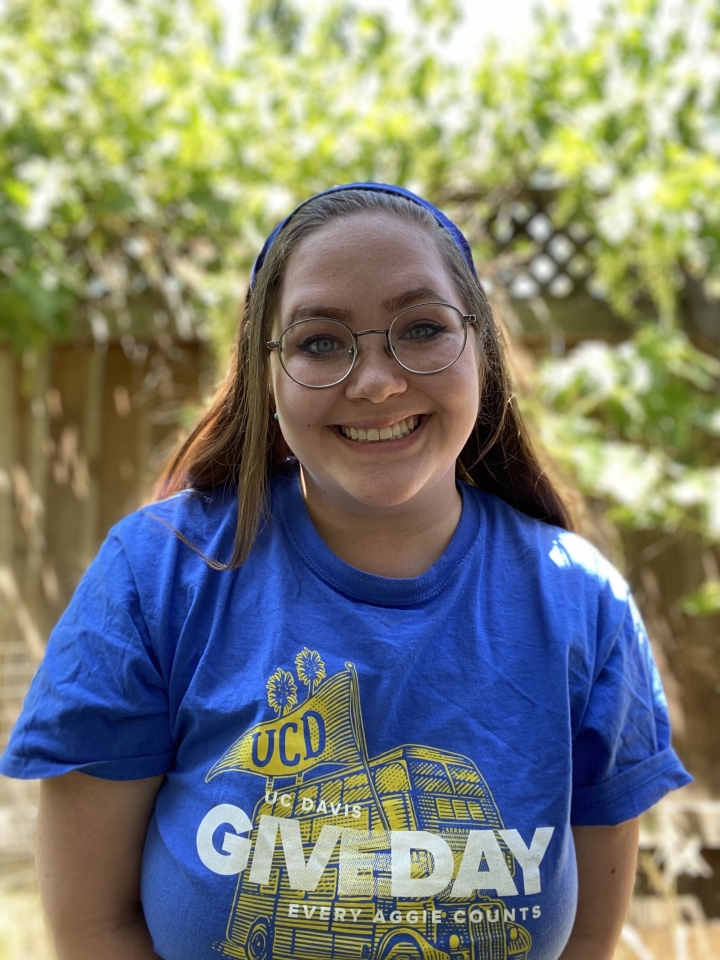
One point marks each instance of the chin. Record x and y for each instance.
(383, 495)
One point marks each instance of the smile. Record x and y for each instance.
(373, 435)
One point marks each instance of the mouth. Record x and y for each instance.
(402, 428)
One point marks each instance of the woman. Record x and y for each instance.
(411, 716)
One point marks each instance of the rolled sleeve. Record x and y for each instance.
(623, 761)
(98, 702)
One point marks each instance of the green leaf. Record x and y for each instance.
(703, 602)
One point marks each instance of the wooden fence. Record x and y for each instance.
(83, 430)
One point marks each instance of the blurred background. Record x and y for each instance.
(147, 149)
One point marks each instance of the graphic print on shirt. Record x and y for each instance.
(395, 856)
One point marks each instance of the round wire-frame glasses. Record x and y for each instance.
(352, 352)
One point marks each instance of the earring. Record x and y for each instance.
(275, 416)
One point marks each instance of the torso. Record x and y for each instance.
(330, 714)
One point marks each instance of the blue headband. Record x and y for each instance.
(444, 221)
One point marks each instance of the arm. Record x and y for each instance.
(91, 834)
(606, 860)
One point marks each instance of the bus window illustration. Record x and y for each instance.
(327, 827)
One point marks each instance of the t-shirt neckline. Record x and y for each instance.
(370, 587)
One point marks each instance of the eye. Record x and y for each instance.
(320, 346)
(422, 330)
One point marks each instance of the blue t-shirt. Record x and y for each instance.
(356, 766)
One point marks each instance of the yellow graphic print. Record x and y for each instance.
(320, 731)
(359, 857)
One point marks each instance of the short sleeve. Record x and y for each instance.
(98, 702)
(623, 762)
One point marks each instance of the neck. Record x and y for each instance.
(398, 541)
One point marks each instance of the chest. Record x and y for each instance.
(349, 774)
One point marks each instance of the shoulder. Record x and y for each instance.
(515, 533)
(562, 570)
(207, 520)
(153, 562)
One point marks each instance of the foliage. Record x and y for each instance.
(445, 13)
(621, 135)
(136, 160)
(638, 425)
(136, 156)
(624, 130)
(140, 161)
(703, 601)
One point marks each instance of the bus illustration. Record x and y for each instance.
(368, 800)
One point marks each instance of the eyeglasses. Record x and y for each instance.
(320, 352)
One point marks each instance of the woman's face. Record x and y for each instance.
(364, 269)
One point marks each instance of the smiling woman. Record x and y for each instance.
(355, 242)
(350, 687)
(363, 268)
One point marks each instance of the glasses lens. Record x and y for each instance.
(317, 353)
(428, 338)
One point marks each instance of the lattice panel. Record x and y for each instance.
(560, 268)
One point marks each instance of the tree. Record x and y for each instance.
(622, 129)
(135, 160)
(139, 162)
(638, 426)
(621, 133)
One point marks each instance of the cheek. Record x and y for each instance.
(470, 388)
(303, 413)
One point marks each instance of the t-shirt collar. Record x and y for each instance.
(289, 507)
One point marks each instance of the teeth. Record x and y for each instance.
(401, 429)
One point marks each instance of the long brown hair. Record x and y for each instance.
(238, 442)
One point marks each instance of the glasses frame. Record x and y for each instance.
(466, 319)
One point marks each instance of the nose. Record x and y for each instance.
(376, 374)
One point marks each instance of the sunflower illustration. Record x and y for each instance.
(310, 669)
(282, 692)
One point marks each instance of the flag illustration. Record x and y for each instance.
(322, 730)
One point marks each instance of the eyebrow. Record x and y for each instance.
(313, 312)
(418, 295)
(393, 305)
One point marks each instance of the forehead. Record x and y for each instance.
(369, 255)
